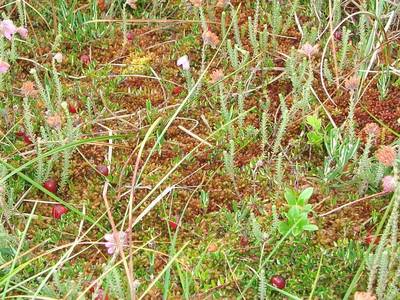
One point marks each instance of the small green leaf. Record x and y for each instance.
(307, 208)
(283, 227)
(297, 230)
(314, 122)
(305, 195)
(291, 196)
(310, 227)
(315, 138)
(294, 213)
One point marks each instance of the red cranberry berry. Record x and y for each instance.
(130, 36)
(27, 140)
(85, 59)
(58, 210)
(244, 241)
(50, 185)
(337, 35)
(176, 90)
(99, 293)
(103, 170)
(72, 107)
(369, 239)
(20, 133)
(278, 281)
(173, 224)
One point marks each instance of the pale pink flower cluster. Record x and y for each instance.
(28, 89)
(217, 75)
(58, 57)
(131, 3)
(210, 38)
(309, 50)
(183, 62)
(8, 29)
(111, 243)
(4, 66)
(222, 3)
(54, 121)
(372, 129)
(388, 184)
(352, 83)
(386, 155)
(196, 3)
(364, 296)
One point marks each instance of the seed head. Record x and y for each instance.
(386, 155)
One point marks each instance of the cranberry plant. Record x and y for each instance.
(297, 218)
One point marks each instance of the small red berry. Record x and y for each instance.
(99, 293)
(72, 108)
(371, 239)
(50, 185)
(278, 281)
(102, 297)
(244, 241)
(103, 170)
(27, 140)
(337, 35)
(176, 90)
(102, 5)
(130, 36)
(85, 59)
(20, 133)
(58, 210)
(173, 224)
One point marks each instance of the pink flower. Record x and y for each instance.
(222, 3)
(28, 89)
(7, 29)
(210, 38)
(196, 3)
(23, 32)
(183, 62)
(131, 3)
(364, 296)
(352, 83)
(388, 184)
(372, 129)
(85, 59)
(3, 67)
(58, 57)
(309, 50)
(111, 243)
(54, 121)
(217, 75)
(386, 155)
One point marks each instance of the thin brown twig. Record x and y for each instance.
(353, 202)
(335, 65)
(112, 223)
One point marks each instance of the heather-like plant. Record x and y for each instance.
(279, 170)
(383, 263)
(229, 163)
(384, 82)
(259, 235)
(282, 126)
(264, 133)
(345, 45)
(364, 164)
